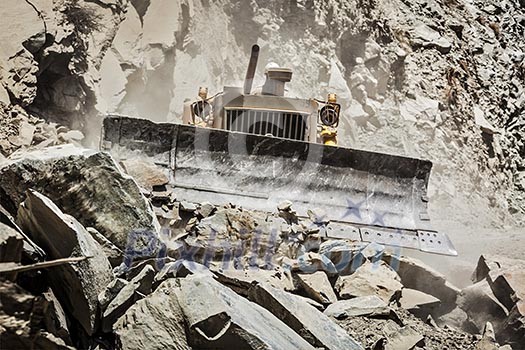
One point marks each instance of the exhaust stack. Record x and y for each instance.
(250, 73)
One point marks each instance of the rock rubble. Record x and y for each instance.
(217, 278)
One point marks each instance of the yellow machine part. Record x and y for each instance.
(329, 136)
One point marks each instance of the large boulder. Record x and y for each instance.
(481, 306)
(88, 185)
(76, 285)
(416, 275)
(139, 286)
(371, 279)
(506, 278)
(156, 322)
(218, 318)
(306, 320)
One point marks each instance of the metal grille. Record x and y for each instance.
(264, 122)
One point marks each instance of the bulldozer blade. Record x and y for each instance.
(367, 196)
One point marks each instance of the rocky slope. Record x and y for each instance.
(443, 80)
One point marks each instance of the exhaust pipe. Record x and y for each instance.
(250, 73)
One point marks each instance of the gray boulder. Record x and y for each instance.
(89, 185)
(76, 285)
(370, 279)
(370, 305)
(318, 287)
(218, 318)
(306, 320)
(155, 322)
(481, 306)
(416, 275)
(136, 289)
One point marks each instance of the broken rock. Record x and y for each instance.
(481, 306)
(488, 341)
(318, 287)
(112, 252)
(242, 280)
(110, 292)
(20, 315)
(87, 184)
(145, 172)
(55, 319)
(505, 276)
(77, 285)
(155, 322)
(416, 275)
(11, 243)
(418, 303)
(136, 289)
(303, 318)
(371, 279)
(405, 338)
(219, 318)
(206, 209)
(370, 305)
(513, 330)
(425, 36)
(181, 268)
(311, 262)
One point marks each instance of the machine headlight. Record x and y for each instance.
(329, 114)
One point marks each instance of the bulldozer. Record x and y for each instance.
(258, 149)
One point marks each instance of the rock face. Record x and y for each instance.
(86, 184)
(156, 322)
(76, 285)
(15, 59)
(51, 54)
